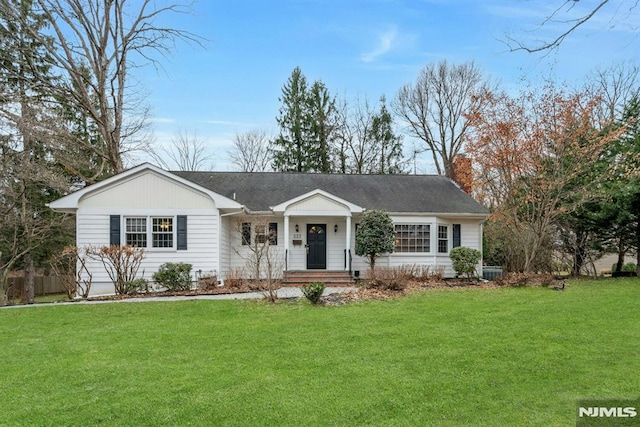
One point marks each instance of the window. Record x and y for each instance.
(162, 232)
(443, 239)
(136, 232)
(413, 238)
(273, 233)
(246, 233)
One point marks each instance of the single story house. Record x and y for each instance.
(209, 219)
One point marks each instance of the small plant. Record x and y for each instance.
(629, 267)
(235, 278)
(174, 276)
(313, 291)
(465, 261)
(137, 286)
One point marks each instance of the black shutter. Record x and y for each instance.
(114, 230)
(456, 235)
(182, 233)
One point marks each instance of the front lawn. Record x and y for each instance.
(517, 356)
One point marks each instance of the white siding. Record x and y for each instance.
(202, 243)
(241, 256)
(470, 237)
(318, 203)
(147, 189)
(225, 252)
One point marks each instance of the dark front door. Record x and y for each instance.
(316, 246)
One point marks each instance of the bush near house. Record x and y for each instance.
(174, 276)
(465, 261)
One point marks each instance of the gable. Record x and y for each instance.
(318, 203)
(146, 190)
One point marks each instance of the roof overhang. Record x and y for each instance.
(69, 203)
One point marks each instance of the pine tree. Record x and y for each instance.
(389, 145)
(307, 127)
(290, 153)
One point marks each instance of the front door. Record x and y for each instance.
(316, 246)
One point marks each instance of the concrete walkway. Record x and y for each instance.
(283, 293)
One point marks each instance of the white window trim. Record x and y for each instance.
(449, 239)
(432, 250)
(149, 231)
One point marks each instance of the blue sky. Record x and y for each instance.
(358, 48)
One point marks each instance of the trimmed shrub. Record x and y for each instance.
(465, 261)
(313, 291)
(174, 276)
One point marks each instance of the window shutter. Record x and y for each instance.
(114, 230)
(182, 233)
(456, 235)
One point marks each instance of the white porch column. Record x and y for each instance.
(348, 231)
(286, 241)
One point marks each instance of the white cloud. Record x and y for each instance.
(385, 43)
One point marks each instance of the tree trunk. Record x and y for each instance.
(621, 253)
(28, 287)
(579, 253)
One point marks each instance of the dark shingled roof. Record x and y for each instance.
(394, 193)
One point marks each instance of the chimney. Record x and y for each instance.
(462, 173)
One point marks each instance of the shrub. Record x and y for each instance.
(235, 278)
(375, 236)
(174, 276)
(313, 291)
(629, 267)
(137, 286)
(388, 279)
(120, 262)
(465, 261)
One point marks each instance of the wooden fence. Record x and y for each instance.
(44, 285)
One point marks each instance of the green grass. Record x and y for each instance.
(464, 357)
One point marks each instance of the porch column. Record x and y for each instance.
(348, 231)
(286, 242)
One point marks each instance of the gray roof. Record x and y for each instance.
(394, 193)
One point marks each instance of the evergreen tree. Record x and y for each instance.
(322, 117)
(389, 145)
(30, 176)
(307, 123)
(290, 148)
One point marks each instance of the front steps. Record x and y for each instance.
(329, 278)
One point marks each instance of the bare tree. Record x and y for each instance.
(263, 260)
(188, 152)
(570, 17)
(434, 107)
(354, 131)
(616, 86)
(95, 45)
(250, 151)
